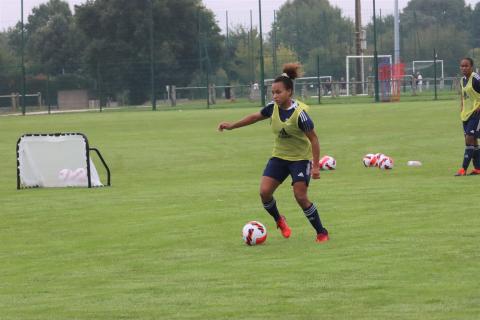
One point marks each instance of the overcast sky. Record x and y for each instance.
(238, 10)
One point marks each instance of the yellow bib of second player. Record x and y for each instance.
(471, 98)
(291, 143)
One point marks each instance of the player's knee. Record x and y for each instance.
(302, 199)
(265, 195)
(469, 139)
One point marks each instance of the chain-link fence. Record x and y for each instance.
(97, 59)
(69, 92)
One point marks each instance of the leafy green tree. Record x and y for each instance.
(315, 27)
(420, 14)
(241, 62)
(284, 55)
(474, 30)
(331, 63)
(450, 44)
(52, 41)
(9, 67)
(384, 35)
(425, 25)
(6, 55)
(442, 25)
(118, 42)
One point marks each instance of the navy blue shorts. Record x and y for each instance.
(471, 127)
(280, 169)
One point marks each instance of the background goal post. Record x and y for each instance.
(364, 74)
(418, 65)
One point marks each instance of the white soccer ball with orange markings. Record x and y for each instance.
(328, 163)
(386, 163)
(379, 157)
(254, 233)
(369, 160)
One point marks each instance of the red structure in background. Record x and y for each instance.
(398, 73)
(391, 77)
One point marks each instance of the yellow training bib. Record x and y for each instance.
(291, 143)
(471, 98)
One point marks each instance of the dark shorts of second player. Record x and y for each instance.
(280, 169)
(471, 127)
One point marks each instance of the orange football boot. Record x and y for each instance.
(283, 226)
(323, 237)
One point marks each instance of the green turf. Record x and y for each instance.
(164, 241)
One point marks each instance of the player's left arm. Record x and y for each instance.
(312, 136)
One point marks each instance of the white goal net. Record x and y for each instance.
(55, 160)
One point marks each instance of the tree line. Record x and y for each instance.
(111, 43)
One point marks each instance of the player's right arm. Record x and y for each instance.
(476, 88)
(248, 120)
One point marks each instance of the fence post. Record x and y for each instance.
(335, 89)
(319, 90)
(303, 91)
(370, 87)
(47, 98)
(173, 96)
(435, 72)
(212, 94)
(39, 99)
(17, 100)
(14, 102)
(414, 85)
(99, 86)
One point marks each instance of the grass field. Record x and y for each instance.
(164, 242)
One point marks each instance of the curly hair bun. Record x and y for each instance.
(292, 70)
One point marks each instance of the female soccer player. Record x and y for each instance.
(296, 143)
(470, 115)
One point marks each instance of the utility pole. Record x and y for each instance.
(416, 34)
(396, 31)
(152, 61)
(262, 66)
(375, 55)
(203, 46)
(358, 45)
(226, 23)
(23, 65)
(274, 42)
(199, 37)
(297, 34)
(252, 46)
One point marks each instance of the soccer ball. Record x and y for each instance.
(369, 160)
(79, 175)
(64, 174)
(385, 163)
(328, 163)
(75, 177)
(254, 233)
(378, 157)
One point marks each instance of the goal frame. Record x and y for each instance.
(362, 57)
(428, 61)
(88, 150)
